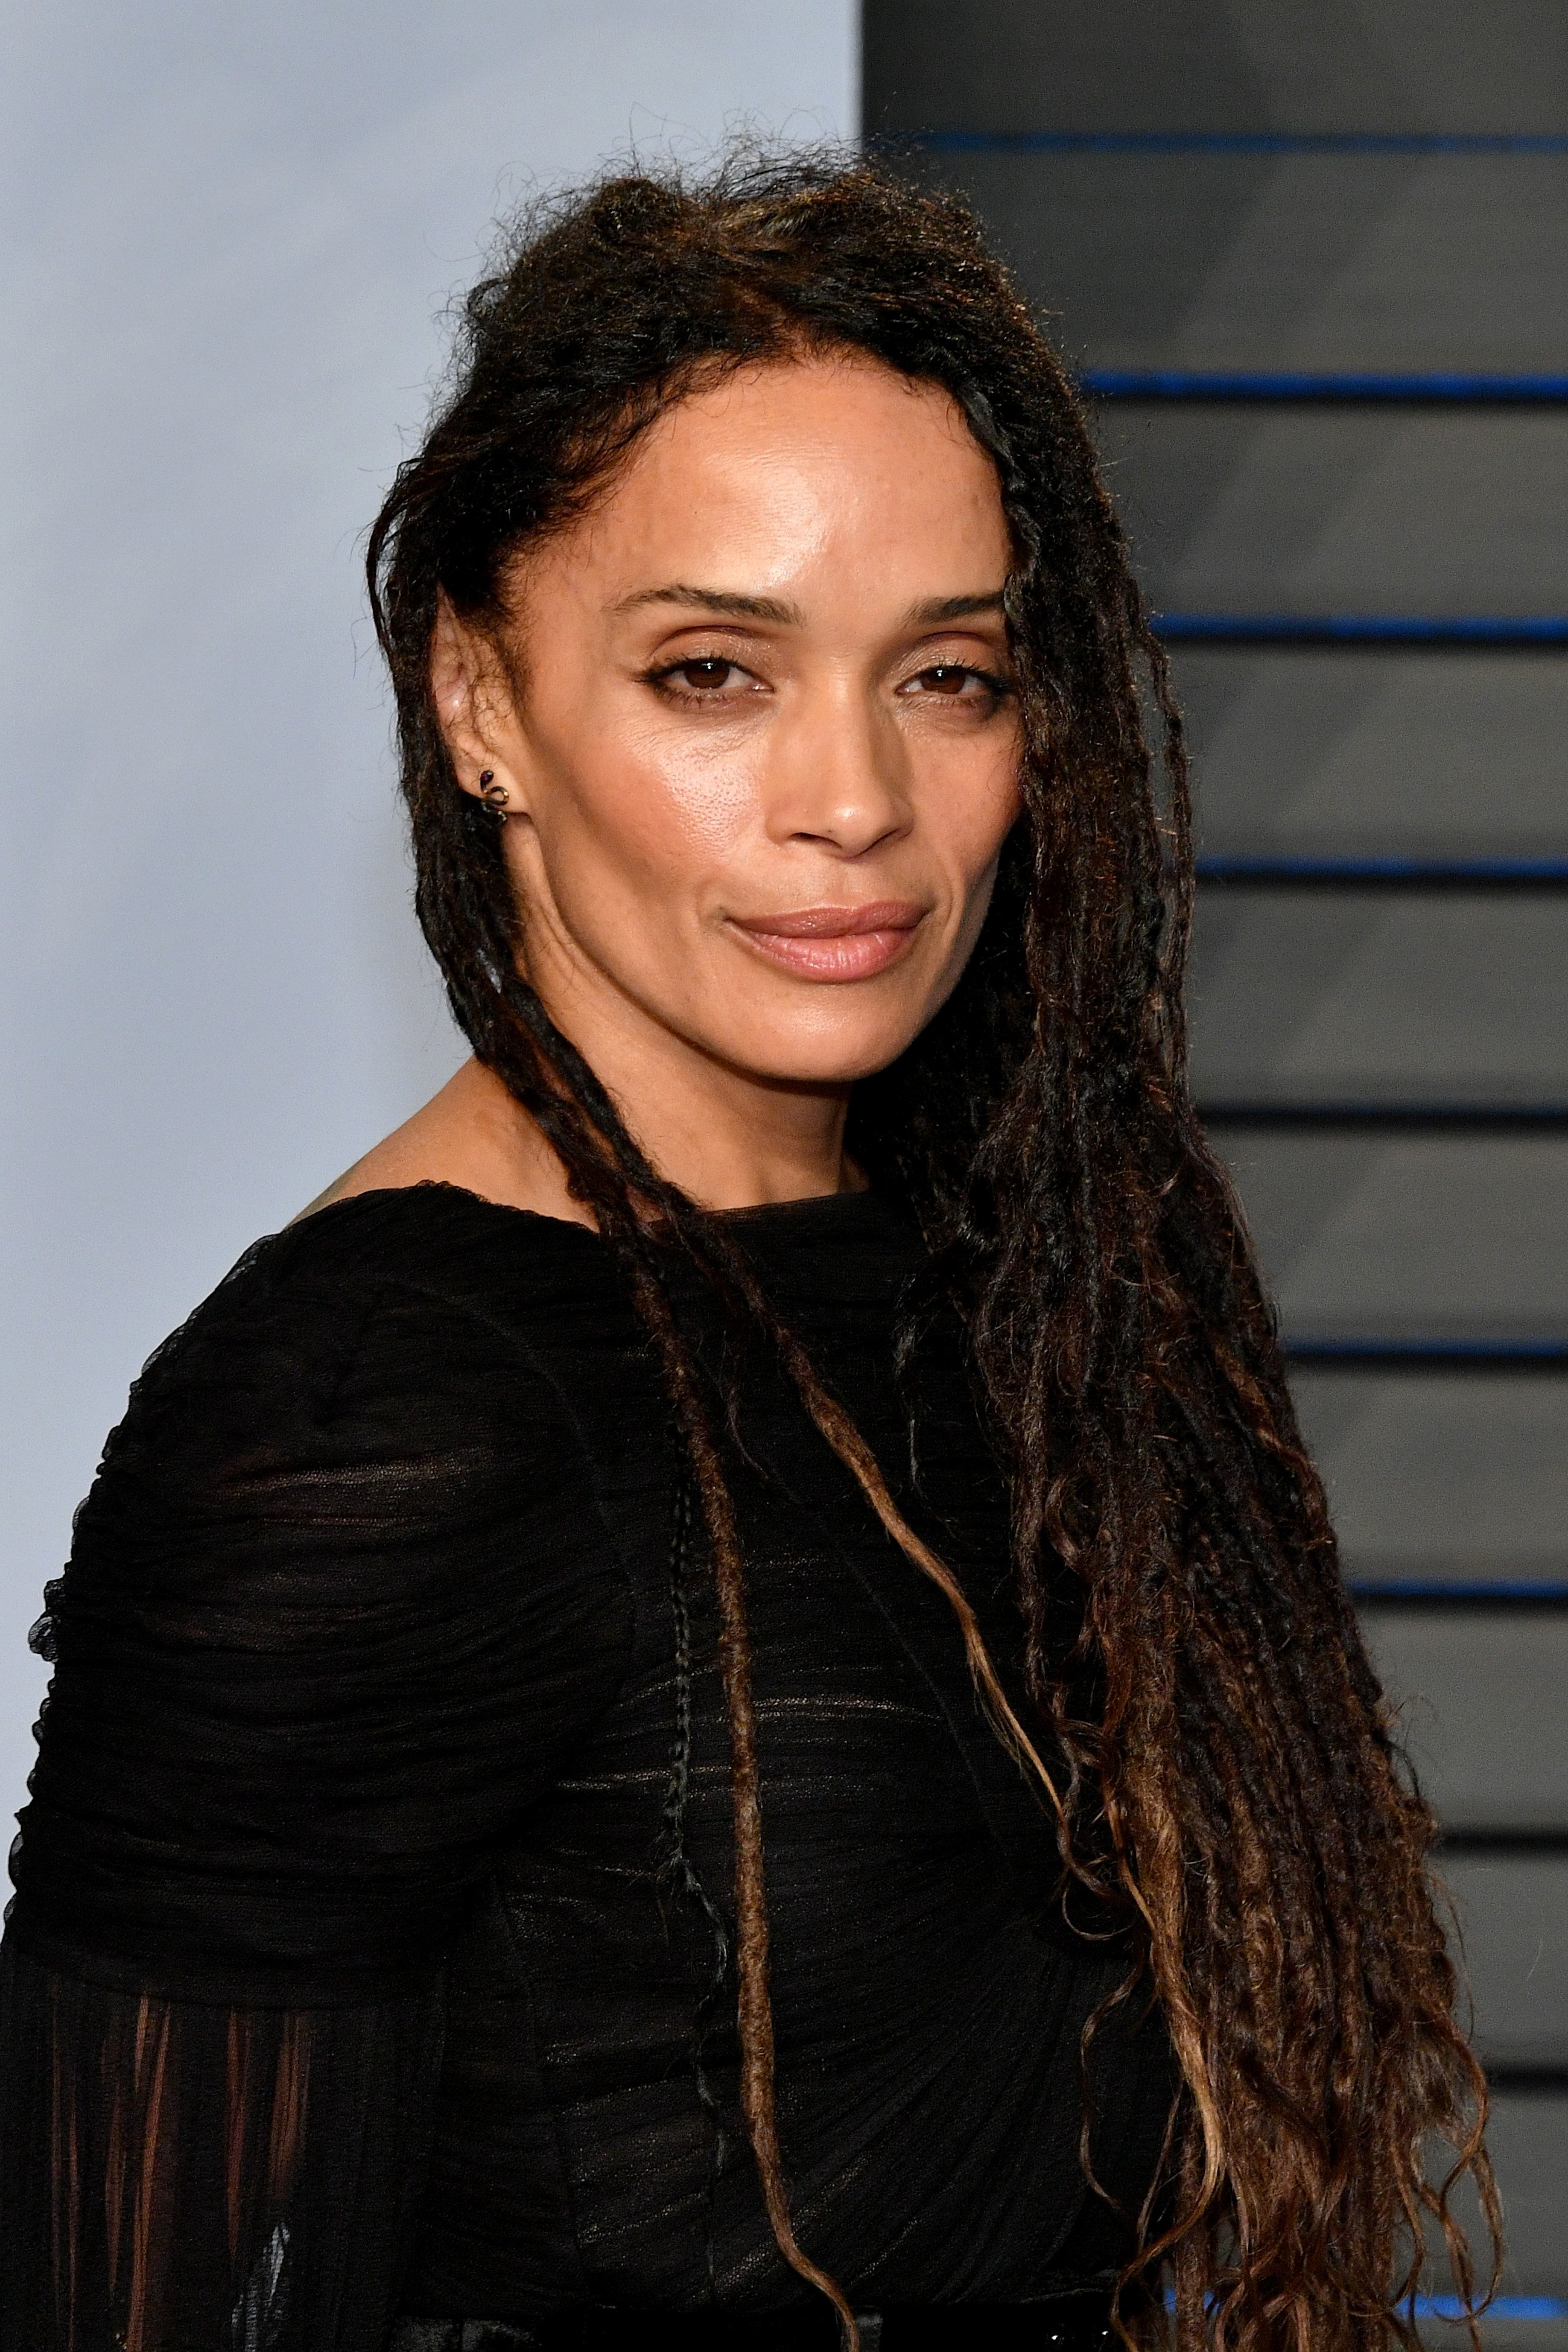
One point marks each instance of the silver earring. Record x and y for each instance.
(492, 794)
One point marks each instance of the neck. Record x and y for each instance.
(729, 1140)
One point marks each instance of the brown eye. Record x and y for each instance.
(958, 682)
(703, 678)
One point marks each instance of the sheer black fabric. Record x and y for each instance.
(369, 1951)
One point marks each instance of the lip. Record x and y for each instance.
(835, 943)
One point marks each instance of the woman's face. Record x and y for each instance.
(757, 730)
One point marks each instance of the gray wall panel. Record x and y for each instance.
(1482, 1693)
(1407, 1238)
(1505, 2334)
(1321, 510)
(1218, 64)
(1512, 1919)
(1284, 261)
(1444, 1476)
(1369, 997)
(1528, 2138)
(1340, 752)
(1207, 259)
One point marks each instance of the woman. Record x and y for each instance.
(720, 1689)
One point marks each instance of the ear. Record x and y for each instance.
(473, 704)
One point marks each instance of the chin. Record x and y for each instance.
(820, 1063)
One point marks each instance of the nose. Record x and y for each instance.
(837, 774)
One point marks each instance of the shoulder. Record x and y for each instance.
(372, 1367)
(376, 1282)
(339, 1598)
(473, 1135)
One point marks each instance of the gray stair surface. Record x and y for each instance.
(1285, 261)
(1409, 1238)
(1528, 2137)
(1323, 189)
(1481, 1699)
(1443, 1477)
(1347, 752)
(1513, 1932)
(1244, 508)
(1379, 997)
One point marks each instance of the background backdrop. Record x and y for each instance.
(1309, 259)
(1309, 256)
(230, 233)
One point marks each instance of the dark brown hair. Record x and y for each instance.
(1231, 1780)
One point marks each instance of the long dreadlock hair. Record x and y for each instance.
(1231, 1780)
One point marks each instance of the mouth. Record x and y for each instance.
(835, 943)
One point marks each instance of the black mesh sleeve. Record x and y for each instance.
(335, 1611)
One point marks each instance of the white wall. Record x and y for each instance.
(229, 232)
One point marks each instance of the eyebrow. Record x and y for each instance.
(717, 600)
(929, 614)
(956, 608)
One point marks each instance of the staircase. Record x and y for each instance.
(1310, 258)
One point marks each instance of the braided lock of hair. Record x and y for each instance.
(1231, 1780)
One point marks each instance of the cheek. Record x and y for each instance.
(634, 807)
(971, 815)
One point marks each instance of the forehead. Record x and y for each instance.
(843, 405)
(779, 470)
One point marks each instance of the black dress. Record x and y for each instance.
(368, 1957)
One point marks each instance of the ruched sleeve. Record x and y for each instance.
(336, 1612)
